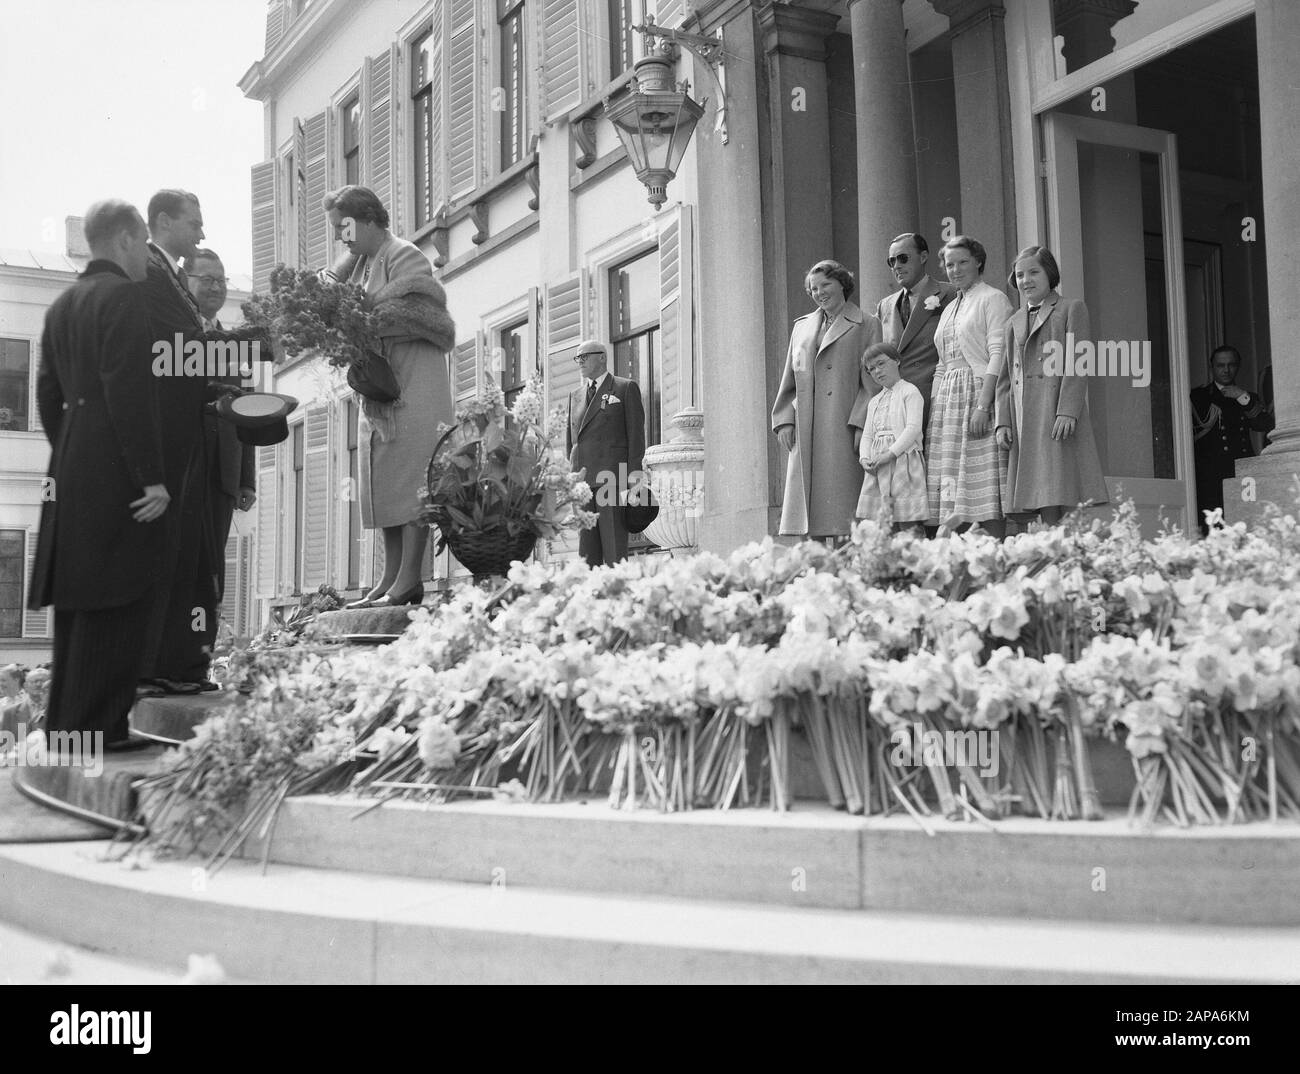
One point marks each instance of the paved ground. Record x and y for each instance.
(26, 958)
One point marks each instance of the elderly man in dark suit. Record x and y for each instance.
(102, 533)
(1223, 416)
(606, 437)
(231, 465)
(908, 318)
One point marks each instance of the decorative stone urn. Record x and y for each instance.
(676, 472)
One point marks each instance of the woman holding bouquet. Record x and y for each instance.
(396, 440)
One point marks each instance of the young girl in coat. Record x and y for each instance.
(1042, 413)
(891, 448)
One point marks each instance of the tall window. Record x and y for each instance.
(15, 385)
(11, 583)
(514, 368)
(299, 500)
(422, 75)
(623, 15)
(634, 330)
(351, 114)
(354, 501)
(510, 20)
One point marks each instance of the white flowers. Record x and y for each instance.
(933, 302)
(438, 745)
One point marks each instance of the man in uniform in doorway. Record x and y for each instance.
(1222, 417)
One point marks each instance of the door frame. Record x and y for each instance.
(1061, 134)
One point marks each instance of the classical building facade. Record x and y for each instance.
(1151, 143)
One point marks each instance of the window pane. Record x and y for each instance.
(15, 384)
(421, 63)
(512, 87)
(634, 292)
(637, 358)
(514, 366)
(1087, 32)
(423, 158)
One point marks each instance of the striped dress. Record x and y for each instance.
(965, 474)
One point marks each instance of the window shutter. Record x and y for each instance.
(316, 129)
(381, 175)
(264, 224)
(676, 294)
(268, 521)
(667, 13)
(298, 183)
(561, 65)
(316, 508)
(465, 367)
(462, 128)
(35, 624)
(563, 334)
(276, 18)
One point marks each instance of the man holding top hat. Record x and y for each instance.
(606, 437)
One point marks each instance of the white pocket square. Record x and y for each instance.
(612, 399)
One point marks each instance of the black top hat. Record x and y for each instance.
(258, 417)
(636, 517)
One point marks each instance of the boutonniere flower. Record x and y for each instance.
(933, 302)
(606, 399)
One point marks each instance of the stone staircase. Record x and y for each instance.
(578, 892)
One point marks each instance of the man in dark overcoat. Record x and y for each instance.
(102, 531)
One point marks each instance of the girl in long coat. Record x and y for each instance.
(822, 380)
(1041, 416)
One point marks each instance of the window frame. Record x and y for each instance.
(346, 155)
(29, 391)
(23, 540)
(516, 108)
(652, 331)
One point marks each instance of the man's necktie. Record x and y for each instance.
(905, 307)
(183, 276)
(591, 392)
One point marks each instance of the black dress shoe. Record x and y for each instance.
(205, 685)
(411, 596)
(362, 603)
(175, 686)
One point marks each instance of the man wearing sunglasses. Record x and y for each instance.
(908, 318)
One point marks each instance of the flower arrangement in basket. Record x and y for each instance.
(496, 484)
(307, 311)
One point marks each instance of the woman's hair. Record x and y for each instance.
(835, 271)
(17, 672)
(1045, 258)
(964, 242)
(879, 350)
(359, 202)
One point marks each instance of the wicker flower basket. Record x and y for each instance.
(489, 555)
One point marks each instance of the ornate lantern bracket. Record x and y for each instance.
(708, 50)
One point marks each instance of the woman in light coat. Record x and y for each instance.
(396, 440)
(822, 380)
(965, 468)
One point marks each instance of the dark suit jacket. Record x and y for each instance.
(232, 465)
(914, 340)
(1218, 448)
(608, 433)
(173, 312)
(98, 401)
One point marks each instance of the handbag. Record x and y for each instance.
(373, 377)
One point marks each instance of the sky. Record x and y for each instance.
(117, 98)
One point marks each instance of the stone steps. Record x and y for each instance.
(298, 925)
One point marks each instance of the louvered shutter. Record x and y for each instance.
(561, 63)
(437, 135)
(317, 498)
(563, 334)
(35, 624)
(462, 82)
(667, 13)
(316, 129)
(464, 360)
(268, 521)
(676, 300)
(380, 172)
(298, 183)
(277, 18)
(230, 595)
(264, 225)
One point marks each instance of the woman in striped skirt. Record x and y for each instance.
(965, 467)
